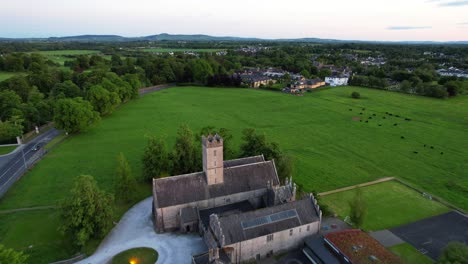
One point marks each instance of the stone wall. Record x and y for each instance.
(282, 241)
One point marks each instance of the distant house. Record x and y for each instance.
(256, 80)
(303, 85)
(339, 77)
(336, 80)
(452, 71)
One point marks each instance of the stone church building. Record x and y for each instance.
(238, 206)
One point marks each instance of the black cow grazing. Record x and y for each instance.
(397, 116)
(395, 124)
(441, 153)
(374, 114)
(367, 121)
(363, 109)
(402, 137)
(424, 145)
(390, 114)
(380, 125)
(360, 113)
(415, 152)
(407, 119)
(370, 117)
(383, 117)
(432, 147)
(350, 109)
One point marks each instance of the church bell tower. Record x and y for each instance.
(213, 163)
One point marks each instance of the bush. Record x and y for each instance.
(355, 95)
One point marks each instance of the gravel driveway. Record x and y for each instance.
(135, 229)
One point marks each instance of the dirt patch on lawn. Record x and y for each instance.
(356, 118)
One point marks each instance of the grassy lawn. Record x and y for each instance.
(329, 148)
(389, 204)
(7, 149)
(136, 256)
(410, 255)
(35, 233)
(7, 75)
(165, 50)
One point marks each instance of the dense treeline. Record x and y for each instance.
(44, 92)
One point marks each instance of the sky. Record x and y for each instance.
(383, 20)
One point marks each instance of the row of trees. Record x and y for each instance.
(186, 156)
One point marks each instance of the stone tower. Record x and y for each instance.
(213, 163)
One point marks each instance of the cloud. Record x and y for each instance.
(463, 24)
(452, 2)
(407, 28)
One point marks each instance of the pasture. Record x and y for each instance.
(166, 50)
(324, 131)
(61, 56)
(389, 204)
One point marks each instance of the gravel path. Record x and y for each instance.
(135, 229)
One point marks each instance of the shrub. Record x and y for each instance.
(355, 95)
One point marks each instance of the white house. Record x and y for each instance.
(336, 81)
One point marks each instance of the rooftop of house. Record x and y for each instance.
(249, 225)
(240, 175)
(359, 247)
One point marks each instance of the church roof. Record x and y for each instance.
(239, 176)
(269, 220)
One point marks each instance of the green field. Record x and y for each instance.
(410, 255)
(390, 204)
(136, 256)
(61, 56)
(166, 50)
(67, 52)
(6, 150)
(7, 75)
(330, 149)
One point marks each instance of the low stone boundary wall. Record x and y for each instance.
(357, 185)
(155, 88)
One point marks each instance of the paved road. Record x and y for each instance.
(16, 162)
(135, 229)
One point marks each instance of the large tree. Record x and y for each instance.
(74, 114)
(87, 212)
(358, 208)
(257, 144)
(10, 256)
(454, 253)
(155, 159)
(184, 157)
(126, 186)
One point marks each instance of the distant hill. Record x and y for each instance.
(199, 37)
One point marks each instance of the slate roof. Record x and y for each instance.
(234, 232)
(193, 187)
(225, 210)
(243, 161)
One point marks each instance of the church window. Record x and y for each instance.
(270, 238)
(290, 232)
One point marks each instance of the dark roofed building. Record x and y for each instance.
(234, 204)
(263, 232)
